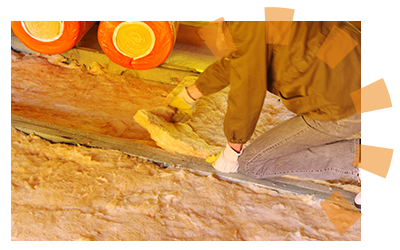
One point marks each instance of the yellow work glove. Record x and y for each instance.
(226, 161)
(184, 105)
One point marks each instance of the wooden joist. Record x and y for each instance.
(61, 134)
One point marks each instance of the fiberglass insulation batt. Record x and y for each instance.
(50, 37)
(64, 192)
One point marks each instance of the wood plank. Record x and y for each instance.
(90, 41)
(60, 134)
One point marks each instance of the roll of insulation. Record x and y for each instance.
(50, 37)
(137, 44)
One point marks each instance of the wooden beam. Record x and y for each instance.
(60, 134)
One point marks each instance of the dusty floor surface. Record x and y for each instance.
(64, 192)
(65, 96)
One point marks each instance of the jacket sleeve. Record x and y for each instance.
(215, 77)
(248, 80)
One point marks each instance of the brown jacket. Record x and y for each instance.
(305, 83)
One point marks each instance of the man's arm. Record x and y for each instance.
(248, 80)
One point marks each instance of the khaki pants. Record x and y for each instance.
(304, 147)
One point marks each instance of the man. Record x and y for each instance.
(308, 145)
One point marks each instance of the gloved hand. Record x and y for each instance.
(184, 105)
(226, 161)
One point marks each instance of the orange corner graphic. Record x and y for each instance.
(218, 39)
(335, 47)
(340, 212)
(357, 156)
(356, 97)
(219, 19)
(278, 23)
(278, 14)
(375, 160)
(372, 97)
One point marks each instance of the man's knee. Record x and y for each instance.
(250, 168)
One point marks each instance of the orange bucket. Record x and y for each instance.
(50, 37)
(137, 45)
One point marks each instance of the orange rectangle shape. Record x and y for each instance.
(340, 212)
(376, 160)
(277, 32)
(356, 160)
(372, 97)
(278, 23)
(218, 39)
(356, 97)
(336, 46)
(278, 14)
